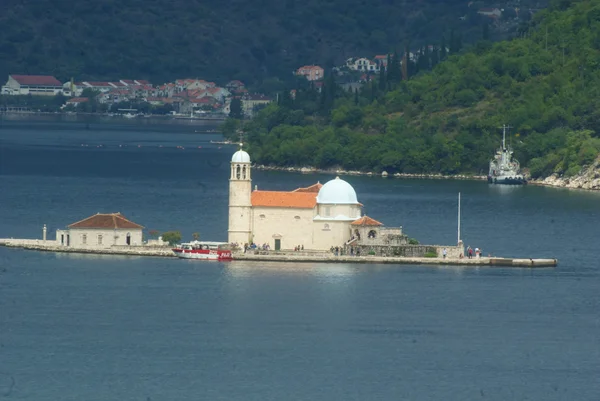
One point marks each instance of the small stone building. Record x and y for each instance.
(101, 231)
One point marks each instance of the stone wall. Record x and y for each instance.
(410, 251)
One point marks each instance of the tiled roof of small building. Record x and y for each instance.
(315, 188)
(46, 80)
(300, 200)
(366, 221)
(108, 220)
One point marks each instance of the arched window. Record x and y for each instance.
(262, 217)
(237, 172)
(297, 217)
(244, 172)
(326, 227)
(372, 234)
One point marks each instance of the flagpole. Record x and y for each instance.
(459, 217)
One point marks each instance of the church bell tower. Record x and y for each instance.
(240, 204)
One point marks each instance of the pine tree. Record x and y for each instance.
(235, 108)
(453, 49)
(382, 78)
(485, 34)
(443, 50)
(435, 56)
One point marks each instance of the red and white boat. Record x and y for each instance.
(203, 250)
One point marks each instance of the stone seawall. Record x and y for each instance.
(51, 246)
(330, 258)
(315, 257)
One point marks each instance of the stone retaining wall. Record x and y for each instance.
(411, 251)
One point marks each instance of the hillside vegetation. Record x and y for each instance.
(545, 84)
(214, 39)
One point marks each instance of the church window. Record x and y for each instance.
(297, 217)
(244, 172)
(326, 227)
(262, 217)
(372, 234)
(237, 172)
(84, 239)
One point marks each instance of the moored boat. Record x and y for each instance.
(504, 169)
(204, 250)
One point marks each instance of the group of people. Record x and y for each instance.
(253, 246)
(299, 248)
(470, 252)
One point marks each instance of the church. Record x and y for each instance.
(318, 217)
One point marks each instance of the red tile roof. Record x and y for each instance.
(110, 221)
(299, 200)
(46, 80)
(312, 189)
(366, 221)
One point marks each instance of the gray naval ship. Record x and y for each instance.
(503, 168)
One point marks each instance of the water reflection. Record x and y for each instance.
(504, 189)
(323, 271)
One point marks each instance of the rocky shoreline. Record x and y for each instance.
(384, 174)
(587, 179)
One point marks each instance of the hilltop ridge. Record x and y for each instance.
(219, 40)
(544, 83)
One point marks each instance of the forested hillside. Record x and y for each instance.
(546, 84)
(216, 39)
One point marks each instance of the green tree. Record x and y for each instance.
(196, 236)
(235, 108)
(172, 237)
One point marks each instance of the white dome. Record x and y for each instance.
(240, 157)
(337, 192)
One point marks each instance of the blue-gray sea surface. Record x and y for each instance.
(83, 327)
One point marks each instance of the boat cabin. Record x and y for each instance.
(205, 245)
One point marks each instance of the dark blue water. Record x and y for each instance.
(80, 327)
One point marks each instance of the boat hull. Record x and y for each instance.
(507, 180)
(202, 254)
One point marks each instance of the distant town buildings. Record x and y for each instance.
(187, 96)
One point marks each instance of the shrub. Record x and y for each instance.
(412, 241)
(431, 254)
(172, 237)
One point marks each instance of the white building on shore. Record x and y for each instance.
(101, 231)
(43, 85)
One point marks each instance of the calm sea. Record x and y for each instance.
(80, 327)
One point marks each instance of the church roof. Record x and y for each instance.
(366, 221)
(108, 220)
(313, 188)
(299, 200)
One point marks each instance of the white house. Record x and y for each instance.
(362, 64)
(101, 231)
(44, 85)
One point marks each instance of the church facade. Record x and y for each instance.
(316, 218)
